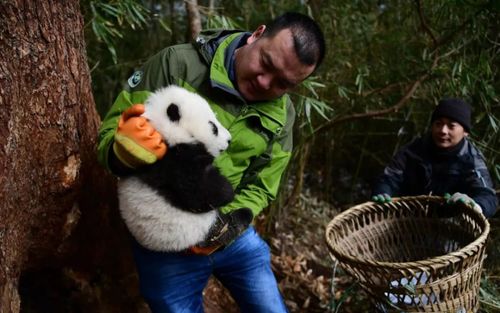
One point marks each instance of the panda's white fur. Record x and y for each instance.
(155, 223)
(193, 126)
(151, 218)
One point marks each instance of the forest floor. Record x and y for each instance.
(302, 265)
(300, 260)
(304, 268)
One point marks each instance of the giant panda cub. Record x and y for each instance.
(173, 204)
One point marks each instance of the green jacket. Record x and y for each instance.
(261, 132)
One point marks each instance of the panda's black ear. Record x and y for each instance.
(173, 112)
(215, 130)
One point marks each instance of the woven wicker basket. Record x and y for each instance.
(409, 259)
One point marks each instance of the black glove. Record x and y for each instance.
(228, 227)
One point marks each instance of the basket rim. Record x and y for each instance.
(454, 256)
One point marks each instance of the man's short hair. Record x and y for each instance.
(308, 38)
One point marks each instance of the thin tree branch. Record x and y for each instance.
(381, 90)
(409, 93)
(424, 25)
(412, 87)
(299, 179)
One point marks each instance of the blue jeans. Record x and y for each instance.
(174, 282)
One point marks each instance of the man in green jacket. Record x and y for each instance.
(245, 78)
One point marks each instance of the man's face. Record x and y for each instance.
(266, 68)
(447, 133)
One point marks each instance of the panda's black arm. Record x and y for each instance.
(188, 180)
(179, 180)
(215, 188)
(198, 189)
(198, 186)
(204, 193)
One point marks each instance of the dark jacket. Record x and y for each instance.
(419, 168)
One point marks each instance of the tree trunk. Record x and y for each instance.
(58, 216)
(194, 18)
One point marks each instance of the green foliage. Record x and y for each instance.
(120, 35)
(221, 21)
(376, 50)
(110, 18)
(490, 294)
(309, 104)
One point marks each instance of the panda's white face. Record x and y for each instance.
(181, 116)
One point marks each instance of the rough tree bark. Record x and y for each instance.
(194, 18)
(57, 205)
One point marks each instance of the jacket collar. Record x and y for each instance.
(273, 113)
(422, 149)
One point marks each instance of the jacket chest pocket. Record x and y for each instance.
(246, 142)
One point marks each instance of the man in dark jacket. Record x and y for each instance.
(245, 77)
(444, 163)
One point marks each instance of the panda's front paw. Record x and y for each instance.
(216, 189)
(228, 227)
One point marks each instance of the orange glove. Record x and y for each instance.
(137, 143)
(203, 250)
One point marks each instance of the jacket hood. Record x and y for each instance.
(209, 40)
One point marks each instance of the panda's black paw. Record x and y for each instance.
(228, 227)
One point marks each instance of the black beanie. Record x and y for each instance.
(454, 109)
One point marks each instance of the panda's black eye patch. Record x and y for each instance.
(173, 112)
(215, 130)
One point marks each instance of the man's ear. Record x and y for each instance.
(256, 34)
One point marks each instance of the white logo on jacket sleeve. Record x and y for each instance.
(135, 79)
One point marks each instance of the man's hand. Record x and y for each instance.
(137, 143)
(463, 198)
(382, 198)
(224, 231)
